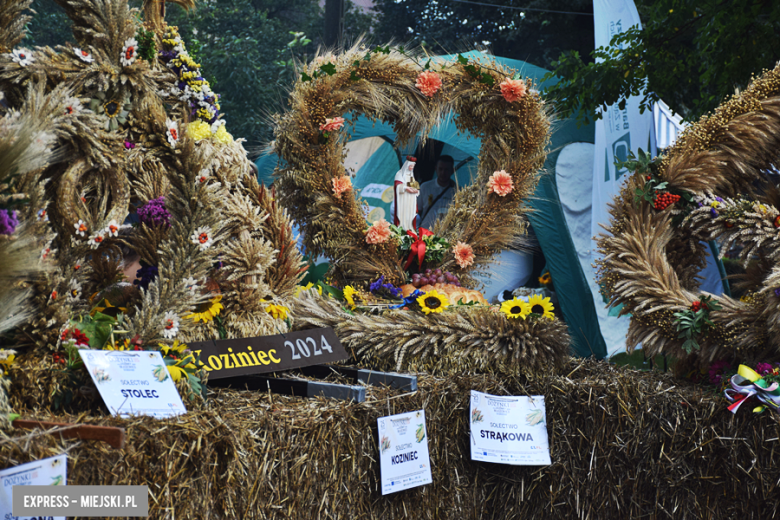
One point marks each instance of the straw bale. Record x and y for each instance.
(624, 444)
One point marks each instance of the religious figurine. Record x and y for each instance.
(405, 195)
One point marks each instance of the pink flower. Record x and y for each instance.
(763, 368)
(500, 183)
(512, 89)
(379, 232)
(332, 124)
(341, 184)
(717, 371)
(464, 254)
(428, 82)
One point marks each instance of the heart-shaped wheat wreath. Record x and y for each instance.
(412, 93)
(711, 185)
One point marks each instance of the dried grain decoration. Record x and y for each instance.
(12, 23)
(113, 166)
(650, 265)
(381, 85)
(624, 444)
(459, 340)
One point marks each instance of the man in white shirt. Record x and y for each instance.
(436, 194)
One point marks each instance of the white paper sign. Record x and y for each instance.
(403, 452)
(509, 429)
(133, 382)
(44, 472)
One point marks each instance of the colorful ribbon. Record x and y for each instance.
(418, 246)
(748, 383)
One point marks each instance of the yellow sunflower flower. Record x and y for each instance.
(545, 279)
(433, 302)
(176, 372)
(125, 345)
(541, 306)
(105, 307)
(177, 348)
(349, 295)
(301, 288)
(206, 312)
(279, 312)
(516, 308)
(6, 360)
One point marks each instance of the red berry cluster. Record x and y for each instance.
(698, 305)
(58, 358)
(664, 200)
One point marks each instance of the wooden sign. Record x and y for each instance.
(246, 356)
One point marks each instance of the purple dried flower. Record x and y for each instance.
(713, 212)
(777, 293)
(716, 372)
(718, 199)
(145, 276)
(8, 221)
(154, 213)
(129, 145)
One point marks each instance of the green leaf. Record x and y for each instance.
(487, 79)
(13, 416)
(354, 76)
(328, 68)
(462, 59)
(305, 77)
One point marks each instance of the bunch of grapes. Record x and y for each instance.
(434, 276)
(664, 200)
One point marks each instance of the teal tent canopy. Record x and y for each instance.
(374, 178)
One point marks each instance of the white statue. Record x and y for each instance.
(405, 195)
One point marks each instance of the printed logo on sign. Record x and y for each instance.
(374, 190)
(620, 150)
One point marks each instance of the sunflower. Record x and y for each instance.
(541, 306)
(306, 287)
(277, 311)
(177, 348)
(349, 295)
(176, 372)
(516, 308)
(432, 302)
(206, 311)
(105, 307)
(6, 360)
(545, 278)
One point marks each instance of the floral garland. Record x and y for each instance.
(412, 93)
(194, 90)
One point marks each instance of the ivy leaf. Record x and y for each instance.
(463, 60)
(427, 64)
(328, 68)
(354, 76)
(305, 77)
(356, 63)
(487, 79)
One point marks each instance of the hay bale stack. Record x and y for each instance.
(624, 444)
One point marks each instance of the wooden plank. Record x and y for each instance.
(115, 437)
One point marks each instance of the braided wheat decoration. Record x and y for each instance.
(652, 257)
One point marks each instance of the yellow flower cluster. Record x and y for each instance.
(199, 130)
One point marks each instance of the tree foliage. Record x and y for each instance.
(445, 27)
(690, 53)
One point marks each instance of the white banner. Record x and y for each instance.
(509, 430)
(619, 131)
(404, 461)
(133, 382)
(45, 472)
